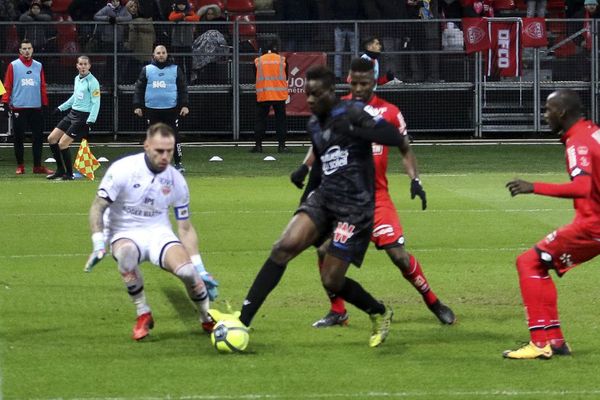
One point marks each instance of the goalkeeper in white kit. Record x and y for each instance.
(130, 212)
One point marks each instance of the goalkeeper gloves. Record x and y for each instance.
(211, 285)
(416, 189)
(98, 253)
(297, 177)
(210, 282)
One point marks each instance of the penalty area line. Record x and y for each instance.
(365, 395)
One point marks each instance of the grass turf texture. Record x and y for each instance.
(66, 334)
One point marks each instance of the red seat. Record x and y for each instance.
(240, 6)
(66, 41)
(12, 39)
(555, 5)
(61, 6)
(247, 30)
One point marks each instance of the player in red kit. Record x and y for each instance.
(387, 231)
(569, 245)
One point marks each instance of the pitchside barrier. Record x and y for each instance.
(437, 85)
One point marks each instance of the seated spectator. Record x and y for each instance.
(37, 34)
(182, 36)
(536, 8)
(84, 10)
(211, 13)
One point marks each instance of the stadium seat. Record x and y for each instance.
(66, 41)
(12, 39)
(61, 6)
(247, 31)
(240, 6)
(504, 5)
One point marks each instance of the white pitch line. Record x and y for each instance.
(400, 211)
(414, 249)
(460, 394)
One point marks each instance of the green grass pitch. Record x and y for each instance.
(65, 334)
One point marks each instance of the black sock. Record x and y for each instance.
(66, 156)
(60, 168)
(268, 277)
(354, 294)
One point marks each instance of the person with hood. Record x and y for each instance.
(113, 12)
(161, 89)
(182, 35)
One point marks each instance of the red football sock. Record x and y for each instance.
(338, 305)
(553, 331)
(532, 277)
(416, 278)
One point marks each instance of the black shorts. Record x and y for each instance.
(348, 227)
(74, 124)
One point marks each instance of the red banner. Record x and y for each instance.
(504, 55)
(475, 32)
(534, 32)
(298, 63)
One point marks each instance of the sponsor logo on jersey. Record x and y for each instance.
(334, 159)
(27, 82)
(136, 186)
(165, 190)
(343, 232)
(149, 201)
(375, 111)
(383, 230)
(571, 157)
(159, 84)
(475, 34)
(550, 237)
(566, 260)
(583, 150)
(377, 149)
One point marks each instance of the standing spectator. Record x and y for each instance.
(295, 37)
(271, 91)
(140, 40)
(161, 89)
(47, 8)
(82, 11)
(393, 36)
(38, 34)
(25, 85)
(423, 36)
(536, 8)
(344, 11)
(372, 53)
(569, 245)
(8, 12)
(84, 105)
(182, 36)
(113, 12)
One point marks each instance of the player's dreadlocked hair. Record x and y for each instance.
(361, 65)
(321, 73)
(161, 129)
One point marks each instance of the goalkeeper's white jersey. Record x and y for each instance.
(140, 198)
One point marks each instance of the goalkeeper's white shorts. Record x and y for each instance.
(152, 242)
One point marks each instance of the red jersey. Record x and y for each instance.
(594, 199)
(377, 106)
(579, 145)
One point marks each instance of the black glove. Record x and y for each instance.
(3, 109)
(112, 20)
(389, 76)
(56, 111)
(297, 177)
(417, 190)
(90, 125)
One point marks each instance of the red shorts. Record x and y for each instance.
(387, 231)
(567, 247)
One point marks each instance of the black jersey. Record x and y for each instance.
(346, 161)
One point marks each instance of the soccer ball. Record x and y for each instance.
(230, 336)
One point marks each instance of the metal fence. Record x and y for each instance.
(437, 86)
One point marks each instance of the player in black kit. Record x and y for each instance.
(340, 208)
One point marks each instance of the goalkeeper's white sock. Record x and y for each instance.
(132, 277)
(198, 263)
(195, 288)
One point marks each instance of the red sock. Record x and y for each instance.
(337, 302)
(416, 278)
(553, 331)
(533, 278)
